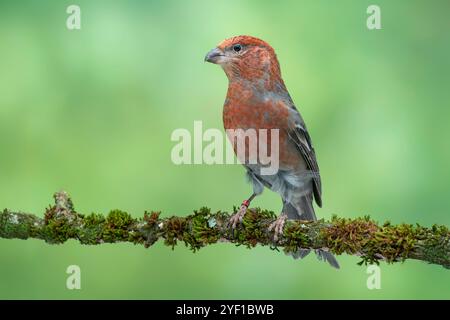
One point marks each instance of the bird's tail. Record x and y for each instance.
(304, 210)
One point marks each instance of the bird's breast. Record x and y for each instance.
(248, 110)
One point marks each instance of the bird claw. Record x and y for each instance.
(238, 217)
(277, 226)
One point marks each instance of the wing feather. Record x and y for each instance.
(300, 136)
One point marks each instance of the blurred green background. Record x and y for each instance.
(92, 111)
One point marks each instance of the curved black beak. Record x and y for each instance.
(214, 55)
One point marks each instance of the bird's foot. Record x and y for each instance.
(277, 226)
(237, 218)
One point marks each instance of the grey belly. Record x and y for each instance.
(290, 184)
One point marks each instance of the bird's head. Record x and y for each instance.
(246, 58)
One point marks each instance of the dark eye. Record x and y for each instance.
(237, 47)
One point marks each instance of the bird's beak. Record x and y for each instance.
(214, 56)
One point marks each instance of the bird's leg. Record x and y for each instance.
(277, 226)
(237, 218)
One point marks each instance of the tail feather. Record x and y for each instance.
(303, 210)
(300, 254)
(321, 255)
(328, 257)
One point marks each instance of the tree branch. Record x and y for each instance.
(361, 236)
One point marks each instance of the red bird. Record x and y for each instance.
(257, 99)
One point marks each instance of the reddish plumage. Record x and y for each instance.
(258, 62)
(253, 76)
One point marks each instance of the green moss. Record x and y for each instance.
(151, 217)
(20, 229)
(373, 242)
(435, 245)
(58, 231)
(173, 230)
(91, 230)
(116, 226)
(119, 219)
(253, 232)
(201, 233)
(93, 220)
(150, 228)
(296, 234)
(49, 213)
(194, 230)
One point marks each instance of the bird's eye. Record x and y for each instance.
(237, 47)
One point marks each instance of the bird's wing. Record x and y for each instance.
(300, 136)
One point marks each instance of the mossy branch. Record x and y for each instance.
(361, 236)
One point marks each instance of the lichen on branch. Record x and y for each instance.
(363, 237)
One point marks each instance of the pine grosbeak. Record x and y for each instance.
(257, 99)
